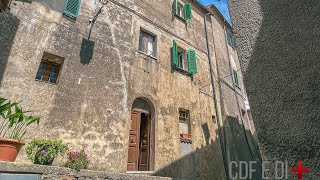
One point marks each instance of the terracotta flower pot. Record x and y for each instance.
(9, 149)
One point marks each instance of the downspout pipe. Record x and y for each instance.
(214, 98)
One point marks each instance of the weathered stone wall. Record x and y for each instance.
(90, 107)
(279, 52)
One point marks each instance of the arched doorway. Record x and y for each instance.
(141, 136)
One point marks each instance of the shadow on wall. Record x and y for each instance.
(8, 28)
(203, 163)
(86, 53)
(282, 77)
(206, 162)
(240, 145)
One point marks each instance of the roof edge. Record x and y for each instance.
(196, 2)
(220, 14)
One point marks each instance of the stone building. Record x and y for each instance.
(240, 139)
(128, 81)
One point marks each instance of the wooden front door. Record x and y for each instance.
(134, 142)
(139, 142)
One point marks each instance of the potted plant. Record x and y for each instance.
(77, 160)
(13, 126)
(43, 151)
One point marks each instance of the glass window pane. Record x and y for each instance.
(53, 75)
(53, 69)
(41, 70)
(38, 77)
(140, 41)
(150, 45)
(52, 80)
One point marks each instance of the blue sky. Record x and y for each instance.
(221, 5)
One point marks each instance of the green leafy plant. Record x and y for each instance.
(13, 120)
(77, 160)
(43, 151)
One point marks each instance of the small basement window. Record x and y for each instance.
(184, 121)
(49, 68)
(235, 77)
(147, 43)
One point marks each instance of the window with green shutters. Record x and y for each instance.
(71, 8)
(182, 11)
(235, 77)
(231, 40)
(183, 60)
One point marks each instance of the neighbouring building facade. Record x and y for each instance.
(279, 55)
(128, 81)
(240, 138)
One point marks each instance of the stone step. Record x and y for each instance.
(19, 171)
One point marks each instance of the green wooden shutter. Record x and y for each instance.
(175, 54)
(71, 8)
(175, 6)
(187, 11)
(192, 61)
(235, 77)
(231, 40)
(228, 37)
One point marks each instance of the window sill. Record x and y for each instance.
(237, 86)
(182, 71)
(70, 18)
(46, 82)
(180, 18)
(150, 56)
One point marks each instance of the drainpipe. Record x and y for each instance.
(214, 98)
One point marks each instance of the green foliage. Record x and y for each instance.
(13, 120)
(77, 160)
(43, 151)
